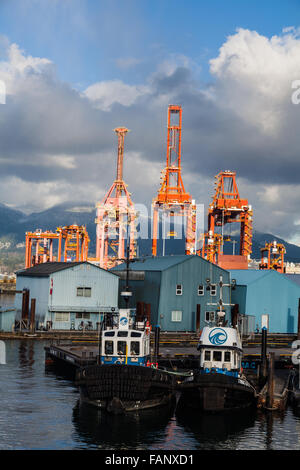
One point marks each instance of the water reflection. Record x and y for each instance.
(220, 429)
(133, 430)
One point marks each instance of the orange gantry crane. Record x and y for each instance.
(116, 217)
(39, 245)
(76, 243)
(272, 256)
(227, 207)
(172, 199)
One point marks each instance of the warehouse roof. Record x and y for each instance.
(244, 277)
(154, 263)
(45, 269)
(159, 263)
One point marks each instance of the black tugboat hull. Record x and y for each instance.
(215, 393)
(122, 388)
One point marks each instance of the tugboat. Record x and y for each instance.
(125, 378)
(218, 384)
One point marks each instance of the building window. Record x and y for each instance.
(178, 289)
(213, 289)
(176, 316)
(210, 316)
(62, 316)
(81, 315)
(84, 291)
(201, 289)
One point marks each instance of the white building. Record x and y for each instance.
(68, 295)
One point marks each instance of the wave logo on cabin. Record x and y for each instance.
(217, 336)
(123, 321)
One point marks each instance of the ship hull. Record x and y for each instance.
(122, 388)
(213, 392)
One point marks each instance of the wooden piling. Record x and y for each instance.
(156, 343)
(298, 332)
(263, 363)
(32, 315)
(270, 388)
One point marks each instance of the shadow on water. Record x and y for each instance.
(209, 428)
(133, 430)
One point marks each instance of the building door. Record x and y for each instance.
(265, 321)
(198, 317)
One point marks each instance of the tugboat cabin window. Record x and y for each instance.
(109, 333)
(109, 347)
(121, 348)
(178, 289)
(201, 289)
(210, 316)
(135, 334)
(84, 291)
(227, 356)
(135, 348)
(207, 355)
(217, 356)
(123, 333)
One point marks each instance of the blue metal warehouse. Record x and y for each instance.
(68, 294)
(175, 288)
(273, 299)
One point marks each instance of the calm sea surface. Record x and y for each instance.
(40, 410)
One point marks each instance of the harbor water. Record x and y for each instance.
(40, 410)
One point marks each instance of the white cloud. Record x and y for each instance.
(105, 94)
(254, 76)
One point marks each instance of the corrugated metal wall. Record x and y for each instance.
(103, 284)
(190, 274)
(272, 294)
(159, 290)
(39, 290)
(64, 298)
(146, 291)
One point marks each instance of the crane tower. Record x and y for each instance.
(227, 207)
(115, 214)
(172, 198)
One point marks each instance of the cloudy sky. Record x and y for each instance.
(76, 69)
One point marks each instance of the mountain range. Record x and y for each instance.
(14, 224)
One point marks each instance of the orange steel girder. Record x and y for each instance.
(114, 214)
(172, 196)
(76, 243)
(272, 256)
(227, 207)
(39, 247)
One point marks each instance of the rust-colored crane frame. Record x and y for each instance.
(172, 197)
(114, 214)
(274, 252)
(227, 207)
(74, 237)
